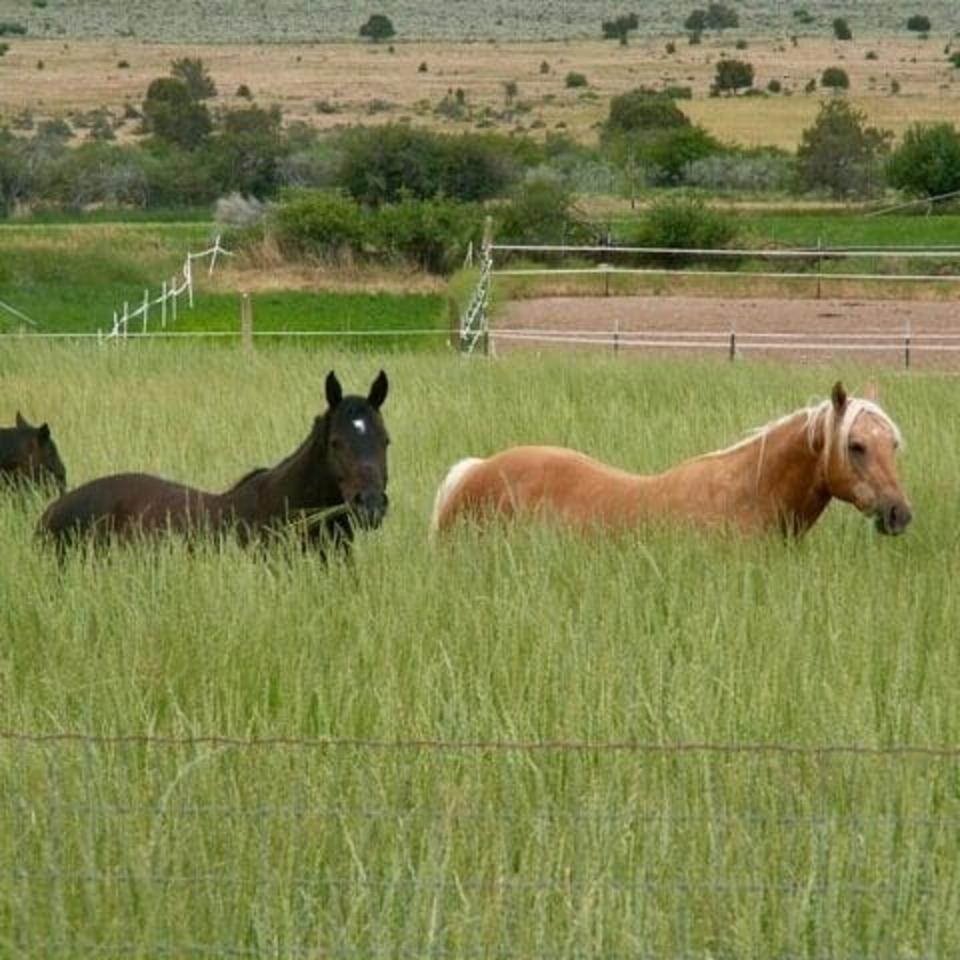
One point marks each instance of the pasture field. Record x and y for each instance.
(70, 278)
(514, 743)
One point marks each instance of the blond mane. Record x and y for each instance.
(823, 416)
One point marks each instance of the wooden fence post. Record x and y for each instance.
(246, 321)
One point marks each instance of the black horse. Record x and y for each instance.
(28, 456)
(336, 478)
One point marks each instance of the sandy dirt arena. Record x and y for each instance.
(791, 330)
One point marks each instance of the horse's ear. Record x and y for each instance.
(839, 398)
(43, 433)
(334, 390)
(378, 391)
(21, 423)
(870, 392)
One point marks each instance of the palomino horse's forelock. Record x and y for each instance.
(825, 415)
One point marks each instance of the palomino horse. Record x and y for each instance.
(782, 477)
(29, 455)
(336, 477)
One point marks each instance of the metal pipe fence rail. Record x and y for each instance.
(736, 343)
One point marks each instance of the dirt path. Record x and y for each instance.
(794, 330)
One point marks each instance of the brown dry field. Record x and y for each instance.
(828, 330)
(367, 83)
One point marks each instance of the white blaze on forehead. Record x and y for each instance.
(361, 425)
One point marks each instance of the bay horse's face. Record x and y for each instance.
(357, 443)
(29, 454)
(862, 466)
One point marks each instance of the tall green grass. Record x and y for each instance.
(507, 636)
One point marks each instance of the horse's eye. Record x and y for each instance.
(857, 448)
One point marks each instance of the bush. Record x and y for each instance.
(733, 75)
(378, 27)
(10, 28)
(668, 155)
(835, 78)
(759, 172)
(383, 164)
(919, 23)
(574, 79)
(841, 29)
(642, 111)
(620, 27)
(541, 210)
(927, 162)
(172, 115)
(318, 223)
(775, 86)
(430, 234)
(687, 224)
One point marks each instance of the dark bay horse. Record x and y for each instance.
(783, 476)
(336, 478)
(28, 455)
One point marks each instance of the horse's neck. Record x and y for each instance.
(773, 480)
(293, 484)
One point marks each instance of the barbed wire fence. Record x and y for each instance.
(73, 821)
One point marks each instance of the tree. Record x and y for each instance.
(841, 29)
(620, 27)
(835, 78)
(248, 149)
(717, 16)
(171, 114)
(927, 162)
(192, 72)
(733, 75)
(919, 23)
(839, 153)
(378, 27)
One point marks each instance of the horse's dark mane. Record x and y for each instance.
(255, 472)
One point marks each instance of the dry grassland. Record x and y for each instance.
(369, 84)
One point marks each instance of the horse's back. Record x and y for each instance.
(526, 479)
(118, 504)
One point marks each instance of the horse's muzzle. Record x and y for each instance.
(893, 518)
(368, 508)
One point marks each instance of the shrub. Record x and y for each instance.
(574, 79)
(9, 28)
(755, 172)
(541, 210)
(669, 154)
(642, 110)
(236, 210)
(123, 64)
(544, 66)
(835, 78)
(687, 224)
(171, 114)
(671, 47)
(870, 55)
(841, 29)
(919, 23)
(774, 86)
(620, 27)
(4, 47)
(733, 75)
(378, 27)
(423, 68)
(927, 161)
(430, 234)
(383, 164)
(954, 58)
(244, 92)
(195, 77)
(317, 223)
